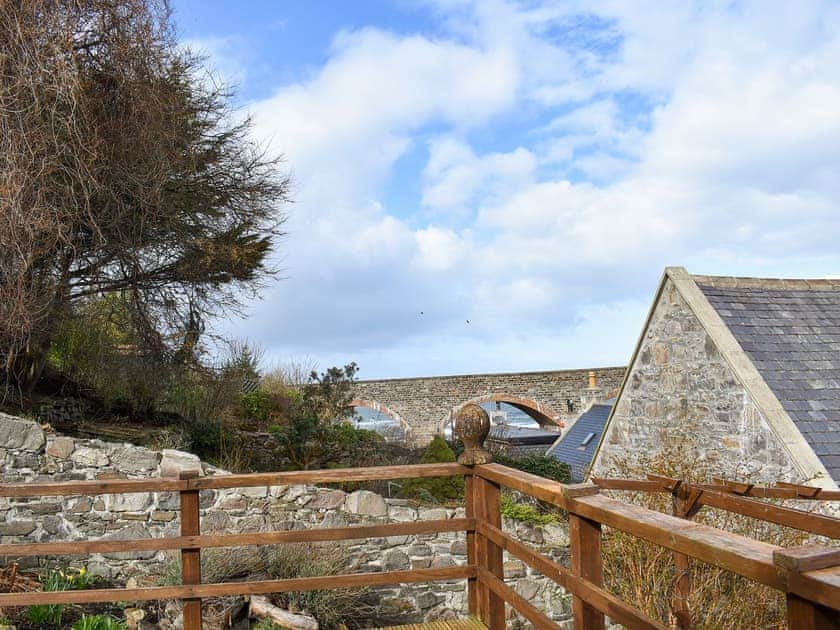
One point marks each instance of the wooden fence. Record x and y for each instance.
(810, 576)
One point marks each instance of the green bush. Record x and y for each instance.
(547, 467)
(256, 406)
(525, 512)
(439, 489)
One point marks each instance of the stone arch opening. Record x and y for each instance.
(382, 419)
(542, 414)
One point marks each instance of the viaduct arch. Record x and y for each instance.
(423, 405)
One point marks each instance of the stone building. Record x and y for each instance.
(740, 376)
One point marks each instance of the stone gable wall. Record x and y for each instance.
(681, 390)
(27, 454)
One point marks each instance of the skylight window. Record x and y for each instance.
(587, 439)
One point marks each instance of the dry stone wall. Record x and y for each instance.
(682, 397)
(29, 454)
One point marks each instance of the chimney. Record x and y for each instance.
(593, 393)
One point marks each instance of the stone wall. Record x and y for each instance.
(28, 454)
(682, 396)
(424, 405)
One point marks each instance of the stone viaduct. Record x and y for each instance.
(424, 405)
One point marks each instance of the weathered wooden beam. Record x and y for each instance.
(261, 587)
(84, 547)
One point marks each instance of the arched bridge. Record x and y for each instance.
(424, 405)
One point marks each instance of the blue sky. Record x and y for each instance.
(498, 185)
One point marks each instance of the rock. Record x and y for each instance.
(514, 569)
(17, 528)
(134, 460)
(133, 617)
(555, 535)
(93, 457)
(61, 447)
(215, 521)
(331, 500)
(173, 463)
(396, 561)
(366, 502)
(401, 514)
(427, 599)
(131, 502)
(458, 548)
(433, 514)
(135, 530)
(17, 433)
(527, 588)
(295, 492)
(163, 516)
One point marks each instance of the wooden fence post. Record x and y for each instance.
(685, 505)
(471, 426)
(472, 583)
(803, 614)
(587, 563)
(190, 558)
(486, 496)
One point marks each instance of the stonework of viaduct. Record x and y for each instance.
(423, 406)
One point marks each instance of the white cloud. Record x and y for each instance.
(706, 135)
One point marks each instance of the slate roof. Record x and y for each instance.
(521, 435)
(570, 449)
(790, 329)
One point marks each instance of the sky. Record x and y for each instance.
(497, 185)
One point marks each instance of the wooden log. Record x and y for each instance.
(82, 547)
(191, 556)
(682, 567)
(261, 607)
(223, 589)
(741, 555)
(601, 599)
(812, 574)
(336, 475)
(469, 510)
(519, 603)
(488, 510)
(585, 543)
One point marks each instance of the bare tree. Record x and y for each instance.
(122, 170)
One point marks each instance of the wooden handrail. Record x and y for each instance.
(222, 589)
(221, 482)
(810, 579)
(780, 491)
(600, 598)
(83, 547)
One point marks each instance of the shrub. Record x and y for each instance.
(540, 465)
(439, 489)
(525, 512)
(306, 441)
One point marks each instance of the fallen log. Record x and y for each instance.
(261, 607)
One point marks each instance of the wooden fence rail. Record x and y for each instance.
(810, 577)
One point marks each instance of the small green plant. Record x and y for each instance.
(265, 624)
(58, 580)
(526, 513)
(98, 622)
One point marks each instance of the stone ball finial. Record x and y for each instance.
(471, 426)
